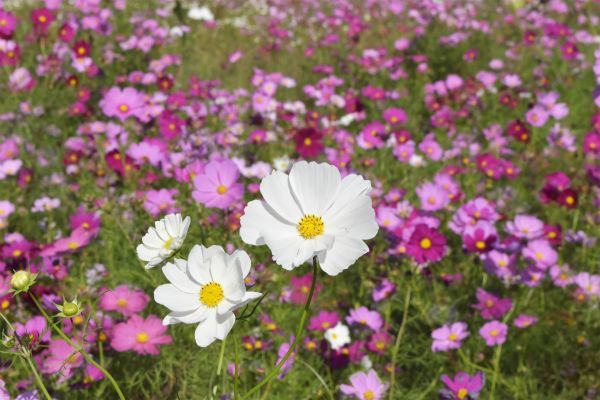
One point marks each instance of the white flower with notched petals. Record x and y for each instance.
(311, 212)
(163, 239)
(206, 290)
(338, 336)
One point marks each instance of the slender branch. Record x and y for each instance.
(78, 348)
(299, 335)
(38, 378)
(319, 378)
(398, 340)
(221, 355)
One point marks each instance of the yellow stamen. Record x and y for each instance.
(211, 294)
(310, 226)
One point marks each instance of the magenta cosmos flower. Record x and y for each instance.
(217, 186)
(122, 103)
(140, 335)
(541, 253)
(365, 386)
(525, 321)
(449, 336)
(494, 333)
(462, 387)
(426, 244)
(124, 300)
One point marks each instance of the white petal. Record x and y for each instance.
(344, 253)
(353, 187)
(146, 253)
(241, 258)
(180, 279)
(198, 268)
(287, 250)
(356, 219)
(233, 284)
(224, 325)
(260, 220)
(172, 222)
(219, 271)
(206, 330)
(152, 240)
(276, 191)
(186, 317)
(315, 186)
(176, 300)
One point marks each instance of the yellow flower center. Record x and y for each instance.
(17, 253)
(480, 245)
(142, 337)
(425, 243)
(369, 395)
(121, 302)
(211, 294)
(494, 333)
(168, 243)
(307, 142)
(124, 108)
(380, 345)
(325, 325)
(431, 200)
(453, 337)
(3, 22)
(73, 245)
(462, 393)
(42, 18)
(570, 200)
(221, 189)
(539, 256)
(310, 226)
(489, 303)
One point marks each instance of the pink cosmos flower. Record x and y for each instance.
(34, 331)
(432, 197)
(124, 300)
(365, 386)
(61, 358)
(323, 321)
(426, 244)
(537, 116)
(364, 316)
(462, 387)
(217, 186)
(379, 342)
(144, 336)
(449, 336)
(541, 253)
(494, 333)
(526, 227)
(122, 103)
(525, 321)
(491, 306)
(157, 202)
(301, 287)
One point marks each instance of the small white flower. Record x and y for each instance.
(206, 289)
(281, 163)
(338, 336)
(416, 161)
(201, 13)
(163, 239)
(311, 212)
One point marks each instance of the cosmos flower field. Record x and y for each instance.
(317, 199)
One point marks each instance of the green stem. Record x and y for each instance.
(235, 369)
(38, 378)
(319, 378)
(299, 331)
(398, 340)
(221, 356)
(496, 370)
(27, 355)
(85, 355)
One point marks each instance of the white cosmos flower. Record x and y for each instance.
(205, 290)
(338, 336)
(163, 239)
(313, 211)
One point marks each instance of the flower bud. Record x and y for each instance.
(21, 281)
(69, 309)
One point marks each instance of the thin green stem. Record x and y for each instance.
(497, 356)
(27, 355)
(319, 378)
(235, 369)
(38, 378)
(221, 356)
(398, 340)
(299, 335)
(85, 355)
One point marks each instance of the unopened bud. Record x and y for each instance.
(21, 281)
